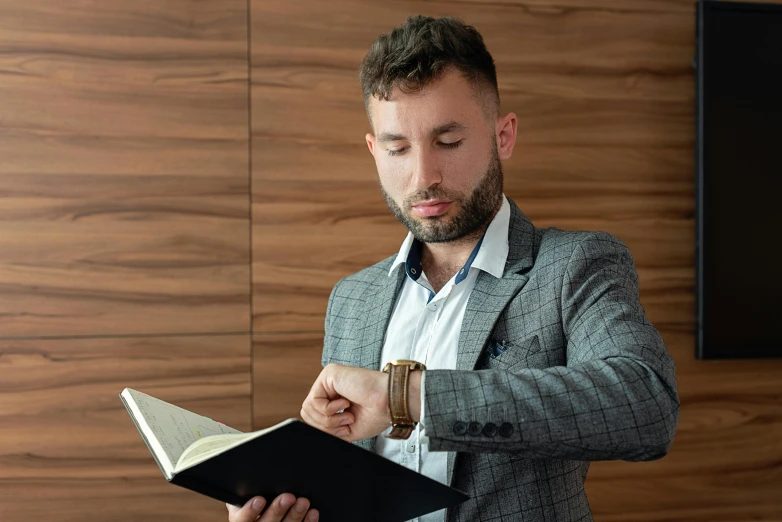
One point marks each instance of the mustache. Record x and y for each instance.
(427, 194)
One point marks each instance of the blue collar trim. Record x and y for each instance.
(413, 263)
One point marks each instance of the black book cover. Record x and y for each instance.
(344, 482)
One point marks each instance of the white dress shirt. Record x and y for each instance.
(425, 327)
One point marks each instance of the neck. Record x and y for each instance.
(450, 254)
(453, 254)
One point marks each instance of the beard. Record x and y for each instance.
(475, 210)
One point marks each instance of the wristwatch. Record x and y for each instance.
(398, 379)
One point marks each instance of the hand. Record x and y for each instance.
(286, 505)
(361, 393)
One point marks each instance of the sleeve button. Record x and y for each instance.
(460, 428)
(506, 429)
(490, 429)
(474, 428)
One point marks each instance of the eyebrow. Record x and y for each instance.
(451, 126)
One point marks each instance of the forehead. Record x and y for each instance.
(446, 99)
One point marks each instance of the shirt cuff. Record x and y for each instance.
(422, 438)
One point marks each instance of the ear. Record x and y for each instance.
(371, 143)
(506, 135)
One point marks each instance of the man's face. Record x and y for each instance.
(437, 159)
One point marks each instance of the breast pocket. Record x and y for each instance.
(502, 354)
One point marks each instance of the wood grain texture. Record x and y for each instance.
(105, 499)
(604, 94)
(124, 179)
(284, 368)
(560, 7)
(69, 450)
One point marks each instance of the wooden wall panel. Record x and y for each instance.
(68, 449)
(105, 499)
(559, 7)
(284, 368)
(124, 172)
(604, 94)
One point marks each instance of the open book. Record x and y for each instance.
(178, 438)
(341, 480)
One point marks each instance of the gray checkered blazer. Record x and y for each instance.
(583, 376)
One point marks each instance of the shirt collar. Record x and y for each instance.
(494, 253)
(489, 255)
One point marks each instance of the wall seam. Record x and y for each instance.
(250, 203)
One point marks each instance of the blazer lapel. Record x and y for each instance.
(379, 301)
(491, 295)
(487, 301)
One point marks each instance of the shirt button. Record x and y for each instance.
(411, 447)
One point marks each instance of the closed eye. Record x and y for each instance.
(452, 145)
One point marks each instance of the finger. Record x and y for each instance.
(329, 411)
(318, 423)
(326, 405)
(297, 512)
(312, 516)
(277, 509)
(247, 513)
(340, 431)
(333, 421)
(332, 407)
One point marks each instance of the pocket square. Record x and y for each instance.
(495, 348)
(522, 349)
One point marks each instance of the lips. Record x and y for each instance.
(431, 208)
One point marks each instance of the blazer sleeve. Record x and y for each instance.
(328, 340)
(614, 399)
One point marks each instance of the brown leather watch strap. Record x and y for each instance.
(402, 431)
(397, 401)
(398, 397)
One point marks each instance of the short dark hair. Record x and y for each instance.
(422, 50)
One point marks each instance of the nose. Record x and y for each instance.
(426, 170)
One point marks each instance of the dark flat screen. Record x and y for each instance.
(739, 180)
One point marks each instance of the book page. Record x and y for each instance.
(175, 428)
(203, 448)
(207, 448)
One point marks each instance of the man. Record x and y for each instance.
(539, 357)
